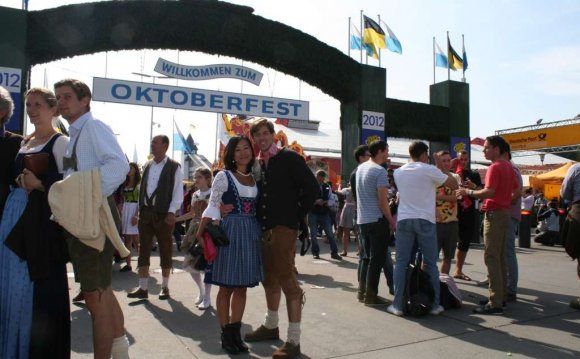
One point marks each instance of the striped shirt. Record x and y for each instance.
(369, 178)
(97, 147)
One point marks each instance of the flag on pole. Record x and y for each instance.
(191, 143)
(373, 34)
(440, 58)
(222, 130)
(464, 58)
(455, 61)
(393, 44)
(179, 142)
(357, 43)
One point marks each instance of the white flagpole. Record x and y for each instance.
(463, 51)
(448, 59)
(349, 35)
(379, 18)
(434, 59)
(217, 141)
(362, 41)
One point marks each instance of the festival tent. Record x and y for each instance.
(550, 182)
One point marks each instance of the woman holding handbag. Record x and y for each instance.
(199, 199)
(34, 303)
(239, 264)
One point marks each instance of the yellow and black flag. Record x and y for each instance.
(455, 61)
(373, 34)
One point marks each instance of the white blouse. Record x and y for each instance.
(219, 187)
(58, 150)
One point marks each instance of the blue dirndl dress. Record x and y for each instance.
(240, 263)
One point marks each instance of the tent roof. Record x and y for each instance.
(557, 174)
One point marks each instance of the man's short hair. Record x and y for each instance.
(164, 139)
(417, 148)
(321, 173)
(498, 141)
(79, 88)
(6, 104)
(464, 152)
(360, 151)
(261, 122)
(377, 146)
(443, 153)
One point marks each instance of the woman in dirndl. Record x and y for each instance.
(238, 265)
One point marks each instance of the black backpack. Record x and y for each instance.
(419, 294)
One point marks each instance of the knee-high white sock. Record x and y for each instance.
(207, 296)
(294, 333)
(120, 348)
(196, 276)
(271, 320)
(164, 282)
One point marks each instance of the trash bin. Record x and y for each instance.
(524, 237)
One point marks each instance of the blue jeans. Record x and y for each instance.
(510, 257)
(374, 237)
(315, 219)
(389, 271)
(424, 233)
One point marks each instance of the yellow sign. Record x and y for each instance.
(544, 138)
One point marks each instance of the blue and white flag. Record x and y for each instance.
(440, 58)
(179, 142)
(356, 42)
(393, 43)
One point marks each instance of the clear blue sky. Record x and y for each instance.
(524, 60)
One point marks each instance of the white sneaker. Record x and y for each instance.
(437, 310)
(205, 304)
(394, 311)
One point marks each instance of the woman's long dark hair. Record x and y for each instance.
(230, 151)
(137, 174)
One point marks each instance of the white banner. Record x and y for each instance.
(183, 98)
(208, 72)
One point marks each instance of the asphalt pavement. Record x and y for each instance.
(540, 324)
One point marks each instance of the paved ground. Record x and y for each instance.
(539, 325)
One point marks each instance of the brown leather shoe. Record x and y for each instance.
(164, 295)
(79, 297)
(262, 333)
(287, 351)
(138, 294)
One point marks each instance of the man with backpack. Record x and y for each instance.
(417, 182)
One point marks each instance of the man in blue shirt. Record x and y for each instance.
(94, 145)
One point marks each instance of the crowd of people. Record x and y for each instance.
(262, 203)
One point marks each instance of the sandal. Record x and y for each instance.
(462, 277)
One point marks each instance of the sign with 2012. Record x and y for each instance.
(373, 127)
(11, 79)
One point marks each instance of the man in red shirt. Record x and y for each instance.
(500, 182)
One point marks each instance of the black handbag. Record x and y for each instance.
(198, 259)
(217, 235)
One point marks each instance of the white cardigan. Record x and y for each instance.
(78, 205)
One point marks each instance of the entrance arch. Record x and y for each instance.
(221, 28)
